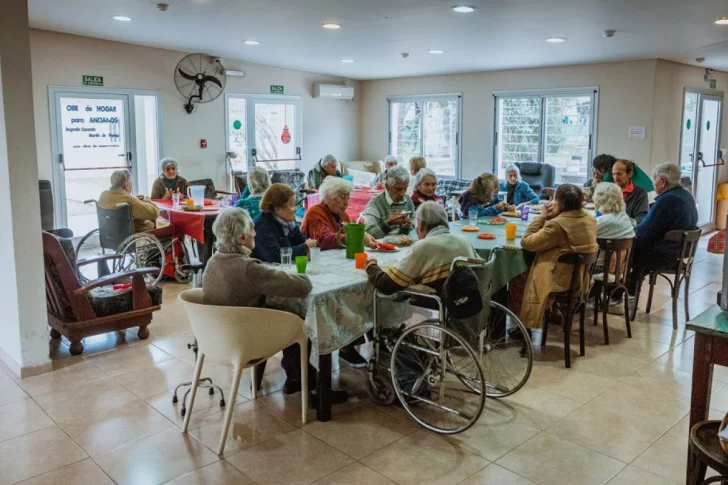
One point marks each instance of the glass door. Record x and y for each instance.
(275, 133)
(93, 139)
(700, 150)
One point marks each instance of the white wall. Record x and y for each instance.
(329, 126)
(626, 95)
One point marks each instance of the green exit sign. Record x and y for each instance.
(713, 83)
(92, 80)
(276, 89)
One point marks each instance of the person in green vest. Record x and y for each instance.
(602, 171)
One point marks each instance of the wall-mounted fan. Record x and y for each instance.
(200, 78)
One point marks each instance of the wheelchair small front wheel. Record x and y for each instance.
(429, 366)
(381, 390)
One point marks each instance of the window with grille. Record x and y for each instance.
(556, 127)
(427, 126)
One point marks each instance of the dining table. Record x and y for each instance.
(358, 200)
(196, 224)
(339, 309)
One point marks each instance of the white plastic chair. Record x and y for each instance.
(241, 337)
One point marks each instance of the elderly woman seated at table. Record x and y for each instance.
(415, 165)
(323, 220)
(483, 196)
(390, 212)
(143, 211)
(275, 226)
(169, 180)
(425, 186)
(326, 167)
(258, 182)
(564, 227)
(390, 161)
(517, 191)
(430, 258)
(635, 197)
(613, 222)
(233, 278)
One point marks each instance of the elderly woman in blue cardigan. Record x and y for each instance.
(518, 191)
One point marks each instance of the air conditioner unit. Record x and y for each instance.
(331, 91)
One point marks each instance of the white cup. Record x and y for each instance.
(315, 263)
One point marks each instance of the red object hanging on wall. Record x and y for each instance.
(286, 135)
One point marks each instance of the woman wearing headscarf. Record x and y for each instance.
(169, 180)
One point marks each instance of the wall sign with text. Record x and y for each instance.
(92, 80)
(93, 133)
(276, 89)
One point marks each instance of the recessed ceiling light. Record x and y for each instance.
(436, 51)
(463, 9)
(721, 21)
(121, 18)
(330, 25)
(348, 61)
(555, 40)
(251, 42)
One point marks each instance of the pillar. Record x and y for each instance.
(23, 319)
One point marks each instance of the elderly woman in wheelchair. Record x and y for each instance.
(442, 369)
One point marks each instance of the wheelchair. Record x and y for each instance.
(136, 250)
(441, 370)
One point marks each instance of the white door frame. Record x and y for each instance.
(54, 93)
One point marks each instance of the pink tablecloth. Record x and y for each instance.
(191, 223)
(357, 202)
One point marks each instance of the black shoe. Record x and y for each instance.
(291, 386)
(515, 333)
(350, 355)
(337, 397)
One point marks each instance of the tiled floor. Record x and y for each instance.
(618, 416)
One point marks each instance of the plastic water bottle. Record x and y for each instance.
(524, 212)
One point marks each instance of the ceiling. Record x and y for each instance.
(500, 34)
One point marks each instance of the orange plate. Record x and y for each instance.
(498, 220)
(486, 235)
(470, 229)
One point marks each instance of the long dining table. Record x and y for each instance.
(339, 309)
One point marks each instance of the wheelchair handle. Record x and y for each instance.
(89, 201)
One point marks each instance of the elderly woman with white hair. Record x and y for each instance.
(258, 183)
(390, 212)
(326, 167)
(613, 221)
(323, 220)
(390, 161)
(169, 181)
(518, 191)
(430, 258)
(425, 186)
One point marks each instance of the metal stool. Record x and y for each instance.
(204, 382)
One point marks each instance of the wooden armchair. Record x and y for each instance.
(77, 311)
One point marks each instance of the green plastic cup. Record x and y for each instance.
(301, 262)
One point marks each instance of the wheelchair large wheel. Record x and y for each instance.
(89, 247)
(505, 352)
(429, 366)
(141, 251)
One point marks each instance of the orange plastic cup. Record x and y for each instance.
(360, 260)
(511, 231)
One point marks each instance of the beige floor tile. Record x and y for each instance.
(493, 435)
(251, 425)
(607, 361)
(665, 379)
(62, 379)
(218, 473)
(607, 433)
(36, 453)
(10, 391)
(22, 417)
(681, 358)
(533, 407)
(355, 474)
(656, 409)
(636, 348)
(667, 457)
(84, 472)
(156, 459)
(291, 458)
(204, 404)
(287, 407)
(126, 424)
(360, 430)
(496, 475)
(424, 458)
(632, 475)
(544, 458)
(107, 341)
(148, 380)
(664, 334)
(97, 398)
(120, 360)
(570, 383)
(175, 345)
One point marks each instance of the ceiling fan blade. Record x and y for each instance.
(212, 79)
(185, 75)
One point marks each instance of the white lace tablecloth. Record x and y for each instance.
(339, 308)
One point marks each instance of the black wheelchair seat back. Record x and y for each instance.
(115, 225)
